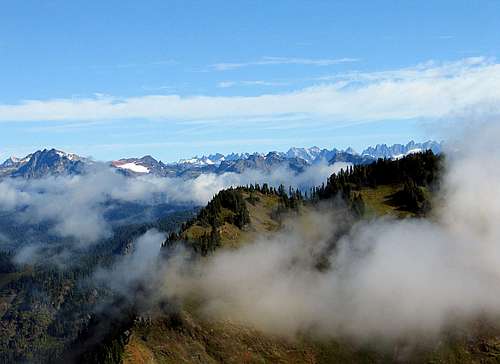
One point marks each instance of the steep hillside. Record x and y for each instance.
(44, 307)
(185, 338)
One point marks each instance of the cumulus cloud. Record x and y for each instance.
(205, 186)
(386, 278)
(430, 90)
(75, 206)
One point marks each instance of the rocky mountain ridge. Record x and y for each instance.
(55, 162)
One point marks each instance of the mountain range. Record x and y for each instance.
(55, 162)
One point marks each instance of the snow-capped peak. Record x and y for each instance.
(315, 154)
(11, 161)
(70, 156)
(213, 159)
(307, 154)
(397, 151)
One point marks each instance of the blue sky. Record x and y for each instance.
(173, 79)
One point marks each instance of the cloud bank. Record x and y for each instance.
(430, 90)
(76, 206)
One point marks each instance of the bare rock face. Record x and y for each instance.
(43, 163)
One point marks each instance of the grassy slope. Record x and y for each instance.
(260, 215)
(188, 338)
(379, 201)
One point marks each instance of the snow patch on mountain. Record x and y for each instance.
(134, 167)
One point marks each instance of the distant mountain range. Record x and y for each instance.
(54, 162)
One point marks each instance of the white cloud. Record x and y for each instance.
(445, 37)
(133, 268)
(76, 205)
(226, 84)
(429, 90)
(264, 61)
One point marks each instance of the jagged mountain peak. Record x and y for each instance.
(350, 150)
(45, 162)
(400, 150)
(148, 159)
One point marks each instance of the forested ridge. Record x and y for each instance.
(416, 173)
(415, 178)
(230, 206)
